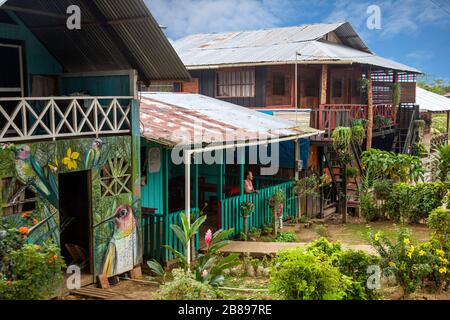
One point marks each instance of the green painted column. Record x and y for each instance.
(165, 168)
(136, 166)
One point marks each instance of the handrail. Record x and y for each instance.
(40, 118)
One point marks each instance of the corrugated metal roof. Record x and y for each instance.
(115, 34)
(280, 46)
(184, 119)
(431, 102)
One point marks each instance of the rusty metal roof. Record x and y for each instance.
(280, 45)
(185, 119)
(114, 35)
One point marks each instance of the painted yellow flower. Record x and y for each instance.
(439, 252)
(443, 270)
(421, 253)
(407, 241)
(391, 264)
(71, 159)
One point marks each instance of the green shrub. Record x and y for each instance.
(255, 233)
(419, 150)
(185, 287)
(288, 236)
(300, 275)
(400, 203)
(324, 247)
(415, 266)
(355, 264)
(426, 197)
(439, 223)
(32, 273)
(367, 206)
(383, 188)
(10, 240)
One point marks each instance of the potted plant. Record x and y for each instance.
(276, 205)
(308, 186)
(246, 211)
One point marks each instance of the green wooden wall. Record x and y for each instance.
(152, 194)
(110, 85)
(38, 60)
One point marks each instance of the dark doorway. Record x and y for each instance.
(75, 218)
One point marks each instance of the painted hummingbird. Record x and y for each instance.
(30, 173)
(93, 156)
(122, 253)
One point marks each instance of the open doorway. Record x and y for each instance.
(75, 219)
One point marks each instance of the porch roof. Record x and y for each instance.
(431, 102)
(185, 119)
(114, 35)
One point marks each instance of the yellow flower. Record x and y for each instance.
(377, 236)
(421, 253)
(439, 252)
(443, 260)
(391, 264)
(443, 270)
(406, 241)
(409, 254)
(70, 159)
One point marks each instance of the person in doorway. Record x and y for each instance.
(248, 183)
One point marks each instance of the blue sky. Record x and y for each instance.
(414, 32)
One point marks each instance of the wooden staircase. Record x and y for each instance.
(347, 188)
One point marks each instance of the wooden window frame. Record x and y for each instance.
(235, 79)
(20, 89)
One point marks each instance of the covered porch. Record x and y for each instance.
(210, 179)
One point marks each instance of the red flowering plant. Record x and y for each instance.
(209, 265)
(27, 271)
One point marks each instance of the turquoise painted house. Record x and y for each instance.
(69, 126)
(195, 153)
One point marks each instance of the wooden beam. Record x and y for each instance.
(323, 85)
(448, 122)
(369, 111)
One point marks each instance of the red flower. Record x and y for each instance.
(208, 237)
(24, 230)
(35, 222)
(26, 215)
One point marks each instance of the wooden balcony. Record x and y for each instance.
(330, 116)
(41, 118)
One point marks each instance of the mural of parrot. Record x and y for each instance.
(93, 155)
(122, 253)
(30, 173)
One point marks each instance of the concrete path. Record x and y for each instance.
(257, 249)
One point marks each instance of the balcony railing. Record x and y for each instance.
(40, 118)
(330, 116)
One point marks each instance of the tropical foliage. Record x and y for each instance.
(27, 271)
(389, 165)
(441, 163)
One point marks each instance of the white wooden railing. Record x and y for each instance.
(39, 118)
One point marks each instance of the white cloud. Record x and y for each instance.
(397, 17)
(420, 55)
(183, 17)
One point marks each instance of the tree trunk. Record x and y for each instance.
(246, 226)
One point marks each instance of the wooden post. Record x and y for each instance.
(323, 86)
(323, 95)
(448, 122)
(369, 111)
(297, 173)
(320, 161)
(220, 182)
